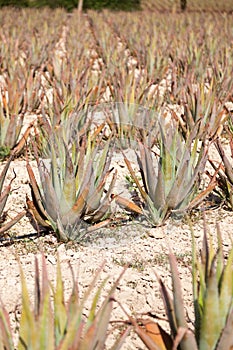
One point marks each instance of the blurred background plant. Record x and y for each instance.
(127, 123)
(12, 110)
(205, 108)
(63, 122)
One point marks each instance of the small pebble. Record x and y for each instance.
(156, 233)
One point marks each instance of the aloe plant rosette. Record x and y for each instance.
(212, 281)
(72, 190)
(53, 323)
(170, 179)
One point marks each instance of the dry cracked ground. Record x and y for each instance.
(133, 243)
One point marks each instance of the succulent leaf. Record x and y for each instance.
(4, 194)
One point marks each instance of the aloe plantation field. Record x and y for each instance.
(116, 178)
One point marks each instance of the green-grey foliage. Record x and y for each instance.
(170, 175)
(125, 5)
(212, 281)
(69, 5)
(54, 324)
(72, 187)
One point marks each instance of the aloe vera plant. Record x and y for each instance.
(4, 194)
(64, 122)
(58, 325)
(212, 280)
(72, 190)
(12, 109)
(224, 178)
(213, 295)
(203, 105)
(131, 123)
(172, 184)
(11, 142)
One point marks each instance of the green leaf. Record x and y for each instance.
(6, 337)
(226, 338)
(210, 331)
(177, 294)
(50, 197)
(28, 332)
(68, 194)
(226, 290)
(169, 308)
(60, 312)
(147, 170)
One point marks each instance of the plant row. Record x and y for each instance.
(76, 185)
(169, 96)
